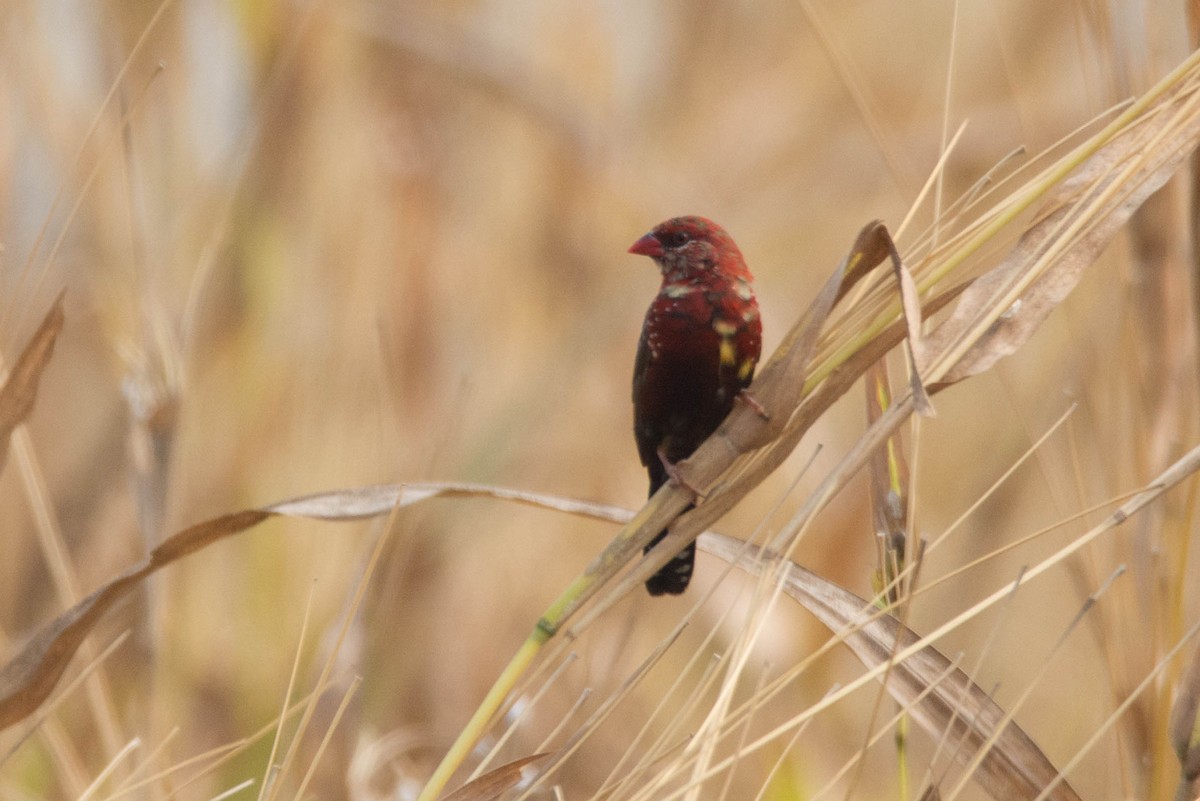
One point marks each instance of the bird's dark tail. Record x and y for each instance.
(673, 577)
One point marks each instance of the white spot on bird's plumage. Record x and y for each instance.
(724, 328)
(678, 290)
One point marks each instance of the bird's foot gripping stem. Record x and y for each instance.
(675, 476)
(745, 397)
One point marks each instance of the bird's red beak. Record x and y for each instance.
(647, 246)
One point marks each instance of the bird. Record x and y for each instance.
(699, 345)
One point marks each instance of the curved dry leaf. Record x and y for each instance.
(357, 503)
(201, 535)
(939, 696)
(495, 783)
(910, 308)
(20, 388)
(27, 680)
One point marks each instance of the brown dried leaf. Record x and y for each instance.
(495, 783)
(939, 696)
(26, 681)
(20, 389)
(1078, 220)
(1184, 726)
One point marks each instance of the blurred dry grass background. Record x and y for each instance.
(341, 244)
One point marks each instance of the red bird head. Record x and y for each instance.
(690, 247)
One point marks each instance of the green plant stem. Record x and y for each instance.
(478, 723)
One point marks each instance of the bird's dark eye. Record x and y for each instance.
(676, 239)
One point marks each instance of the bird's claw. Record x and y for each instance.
(676, 478)
(753, 403)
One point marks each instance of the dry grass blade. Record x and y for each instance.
(887, 477)
(20, 389)
(496, 782)
(910, 306)
(939, 696)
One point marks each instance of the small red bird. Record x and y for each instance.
(700, 342)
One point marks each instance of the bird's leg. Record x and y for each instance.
(675, 476)
(745, 397)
